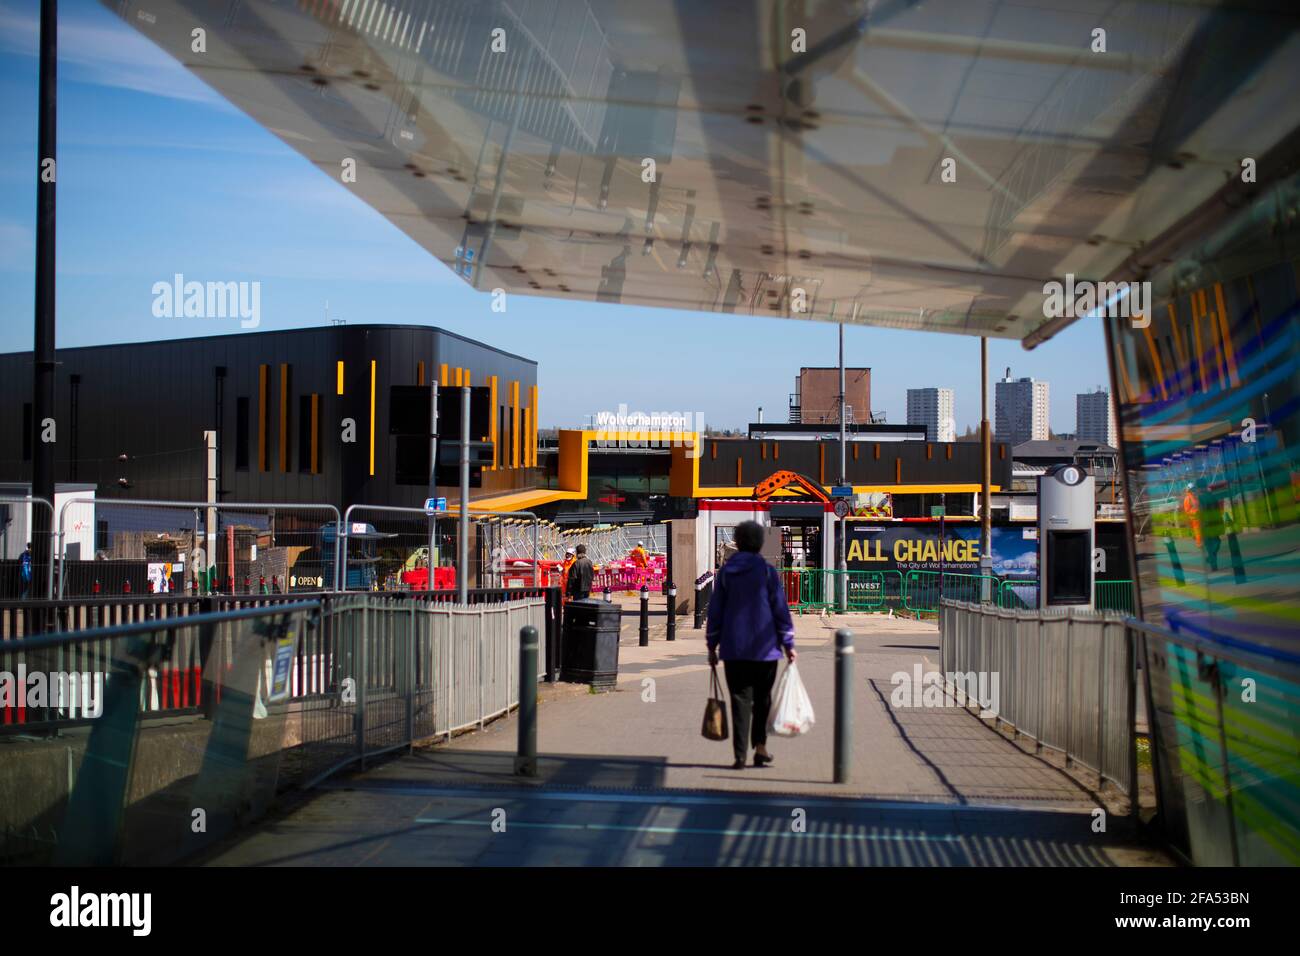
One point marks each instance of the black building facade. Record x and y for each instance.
(300, 415)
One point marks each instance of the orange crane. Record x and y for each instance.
(785, 479)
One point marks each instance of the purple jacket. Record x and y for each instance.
(749, 619)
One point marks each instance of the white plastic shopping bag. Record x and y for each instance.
(792, 710)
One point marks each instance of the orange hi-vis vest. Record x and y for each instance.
(1192, 509)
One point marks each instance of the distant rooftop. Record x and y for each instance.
(1054, 448)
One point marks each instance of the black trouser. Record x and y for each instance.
(750, 685)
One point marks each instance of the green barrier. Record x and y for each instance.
(1107, 595)
(804, 588)
(1114, 596)
(1018, 595)
(872, 590)
(922, 589)
(817, 589)
(815, 593)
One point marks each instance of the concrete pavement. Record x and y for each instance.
(626, 779)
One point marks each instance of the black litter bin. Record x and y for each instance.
(590, 642)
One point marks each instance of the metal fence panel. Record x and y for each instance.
(1065, 679)
(145, 547)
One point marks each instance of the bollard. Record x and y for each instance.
(645, 617)
(699, 611)
(606, 593)
(526, 750)
(843, 704)
(672, 612)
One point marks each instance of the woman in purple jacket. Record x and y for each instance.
(749, 629)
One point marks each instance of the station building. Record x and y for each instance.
(301, 416)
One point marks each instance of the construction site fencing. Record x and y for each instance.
(280, 696)
(612, 544)
(1019, 595)
(816, 589)
(387, 548)
(924, 590)
(131, 547)
(811, 590)
(25, 575)
(1063, 678)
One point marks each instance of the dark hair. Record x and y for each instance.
(749, 536)
(580, 549)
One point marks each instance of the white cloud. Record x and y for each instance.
(108, 54)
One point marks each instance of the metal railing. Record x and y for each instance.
(208, 716)
(407, 670)
(125, 786)
(1223, 718)
(1114, 595)
(1064, 679)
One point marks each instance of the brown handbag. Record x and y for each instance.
(715, 711)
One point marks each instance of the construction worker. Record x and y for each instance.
(1210, 522)
(569, 558)
(640, 557)
(1192, 508)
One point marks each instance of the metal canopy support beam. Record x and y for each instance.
(986, 466)
(462, 545)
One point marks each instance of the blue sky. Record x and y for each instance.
(158, 174)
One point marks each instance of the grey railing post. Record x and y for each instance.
(1038, 630)
(526, 753)
(843, 704)
(1069, 702)
(362, 649)
(482, 677)
(410, 682)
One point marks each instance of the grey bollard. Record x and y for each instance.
(526, 750)
(643, 638)
(843, 704)
(672, 612)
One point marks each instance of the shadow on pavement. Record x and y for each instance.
(448, 807)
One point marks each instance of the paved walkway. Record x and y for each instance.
(626, 779)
